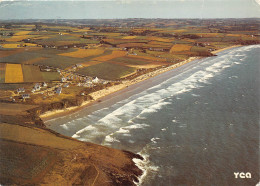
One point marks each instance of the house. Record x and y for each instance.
(20, 90)
(63, 79)
(37, 87)
(46, 69)
(58, 90)
(78, 65)
(96, 80)
(44, 84)
(25, 96)
(66, 85)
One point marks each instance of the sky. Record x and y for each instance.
(118, 9)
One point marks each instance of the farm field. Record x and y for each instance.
(115, 54)
(32, 73)
(2, 72)
(13, 73)
(23, 73)
(61, 46)
(107, 70)
(129, 37)
(131, 61)
(82, 53)
(180, 48)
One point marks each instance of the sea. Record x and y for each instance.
(197, 124)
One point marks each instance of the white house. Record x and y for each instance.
(78, 65)
(20, 90)
(58, 90)
(96, 80)
(37, 86)
(66, 85)
(44, 84)
(63, 79)
(25, 96)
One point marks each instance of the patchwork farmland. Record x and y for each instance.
(43, 60)
(22, 73)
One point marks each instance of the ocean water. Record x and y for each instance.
(195, 125)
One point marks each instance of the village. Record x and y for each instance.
(69, 78)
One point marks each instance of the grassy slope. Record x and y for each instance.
(31, 155)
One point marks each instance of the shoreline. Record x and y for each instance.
(125, 84)
(110, 90)
(226, 48)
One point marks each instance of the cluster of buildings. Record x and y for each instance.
(36, 87)
(68, 78)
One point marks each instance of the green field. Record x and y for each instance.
(49, 55)
(199, 49)
(32, 73)
(130, 61)
(107, 71)
(51, 76)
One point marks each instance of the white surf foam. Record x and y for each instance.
(145, 166)
(65, 126)
(88, 132)
(109, 139)
(175, 121)
(154, 140)
(183, 125)
(75, 136)
(126, 129)
(122, 130)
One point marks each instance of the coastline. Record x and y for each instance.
(110, 90)
(226, 48)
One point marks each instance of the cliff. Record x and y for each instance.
(31, 155)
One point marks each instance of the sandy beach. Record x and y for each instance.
(108, 91)
(226, 48)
